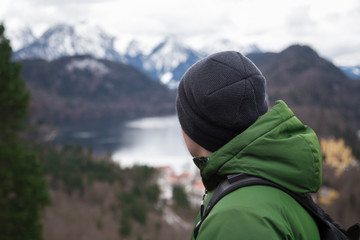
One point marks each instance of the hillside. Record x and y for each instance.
(94, 198)
(319, 93)
(84, 88)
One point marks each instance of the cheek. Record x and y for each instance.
(192, 150)
(189, 144)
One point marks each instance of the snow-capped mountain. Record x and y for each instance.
(165, 59)
(352, 72)
(171, 57)
(65, 40)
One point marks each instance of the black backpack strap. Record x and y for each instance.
(353, 232)
(327, 227)
(231, 183)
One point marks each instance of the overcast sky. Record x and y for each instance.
(331, 27)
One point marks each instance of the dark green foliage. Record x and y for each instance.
(141, 174)
(137, 201)
(74, 167)
(22, 186)
(125, 224)
(22, 192)
(126, 199)
(152, 193)
(136, 191)
(136, 207)
(158, 226)
(139, 211)
(180, 197)
(113, 209)
(14, 97)
(99, 224)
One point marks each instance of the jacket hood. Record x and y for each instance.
(277, 147)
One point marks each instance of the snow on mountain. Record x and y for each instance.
(167, 56)
(93, 65)
(65, 40)
(170, 59)
(162, 58)
(133, 47)
(20, 37)
(352, 72)
(218, 45)
(166, 61)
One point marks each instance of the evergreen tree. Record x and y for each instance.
(22, 186)
(180, 197)
(14, 97)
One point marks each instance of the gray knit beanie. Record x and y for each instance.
(219, 97)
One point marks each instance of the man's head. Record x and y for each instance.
(219, 97)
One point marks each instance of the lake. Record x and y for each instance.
(155, 141)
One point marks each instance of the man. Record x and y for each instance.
(227, 127)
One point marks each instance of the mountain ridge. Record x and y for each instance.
(84, 88)
(164, 61)
(65, 40)
(85, 39)
(317, 91)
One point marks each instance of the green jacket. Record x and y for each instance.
(277, 147)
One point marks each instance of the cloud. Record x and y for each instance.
(327, 25)
(66, 2)
(299, 22)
